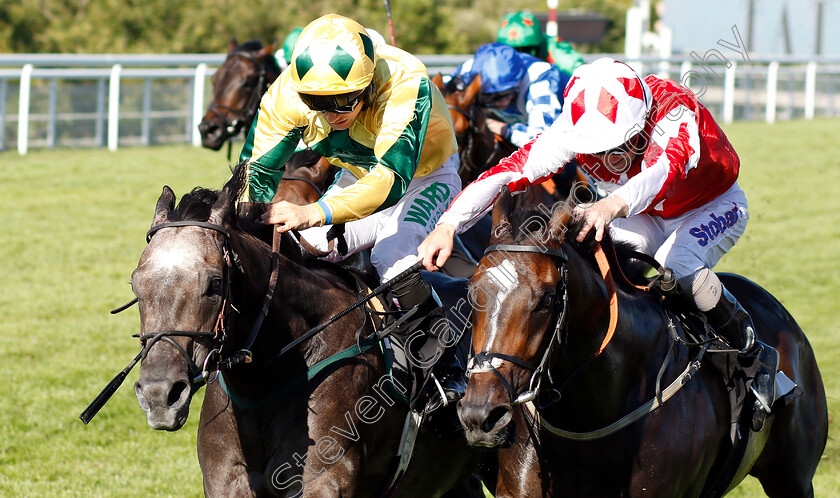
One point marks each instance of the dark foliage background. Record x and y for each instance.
(186, 26)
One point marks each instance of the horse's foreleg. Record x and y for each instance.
(220, 452)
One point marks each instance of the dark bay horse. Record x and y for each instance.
(272, 425)
(541, 300)
(238, 85)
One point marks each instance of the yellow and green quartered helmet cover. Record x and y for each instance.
(520, 29)
(333, 55)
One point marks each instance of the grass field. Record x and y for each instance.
(73, 228)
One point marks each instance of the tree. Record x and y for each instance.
(163, 26)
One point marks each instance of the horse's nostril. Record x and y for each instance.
(176, 392)
(494, 418)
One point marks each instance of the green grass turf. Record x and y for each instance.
(74, 224)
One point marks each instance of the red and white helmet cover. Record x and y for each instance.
(606, 103)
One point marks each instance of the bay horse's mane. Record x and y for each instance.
(527, 225)
(197, 205)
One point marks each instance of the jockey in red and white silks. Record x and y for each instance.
(668, 167)
(684, 163)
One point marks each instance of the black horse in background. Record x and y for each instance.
(543, 338)
(238, 85)
(306, 421)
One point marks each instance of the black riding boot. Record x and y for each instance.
(430, 347)
(734, 324)
(450, 379)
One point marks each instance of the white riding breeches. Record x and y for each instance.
(393, 233)
(692, 241)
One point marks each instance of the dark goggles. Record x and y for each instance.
(336, 104)
(630, 145)
(492, 99)
(529, 49)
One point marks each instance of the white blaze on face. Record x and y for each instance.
(174, 262)
(506, 279)
(170, 258)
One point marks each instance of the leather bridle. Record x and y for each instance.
(199, 375)
(246, 114)
(484, 361)
(215, 358)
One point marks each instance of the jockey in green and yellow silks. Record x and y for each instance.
(403, 132)
(371, 110)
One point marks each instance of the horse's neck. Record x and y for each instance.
(634, 349)
(302, 300)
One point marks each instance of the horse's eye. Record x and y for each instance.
(545, 302)
(215, 285)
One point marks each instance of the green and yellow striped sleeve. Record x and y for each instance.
(272, 139)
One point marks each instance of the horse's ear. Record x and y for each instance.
(561, 217)
(231, 192)
(472, 90)
(501, 212)
(438, 81)
(266, 51)
(220, 207)
(232, 45)
(165, 203)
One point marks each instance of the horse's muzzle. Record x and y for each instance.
(166, 402)
(486, 424)
(213, 135)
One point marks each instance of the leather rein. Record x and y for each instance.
(312, 184)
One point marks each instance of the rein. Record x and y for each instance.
(312, 184)
(631, 417)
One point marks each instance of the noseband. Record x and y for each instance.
(489, 361)
(245, 115)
